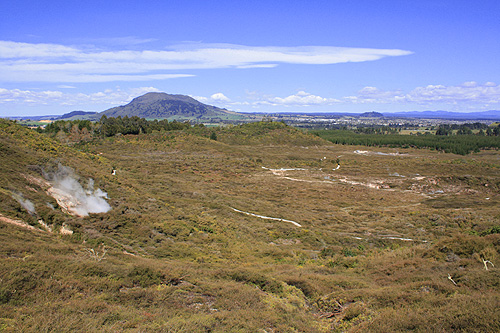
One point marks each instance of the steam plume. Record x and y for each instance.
(72, 197)
(25, 203)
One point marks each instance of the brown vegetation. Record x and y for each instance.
(172, 254)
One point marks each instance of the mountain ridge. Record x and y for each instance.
(480, 115)
(163, 105)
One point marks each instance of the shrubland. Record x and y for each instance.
(389, 240)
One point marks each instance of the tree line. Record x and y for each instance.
(462, 143)
(467, 129)
(110, 126)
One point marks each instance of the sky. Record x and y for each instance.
(251, 56)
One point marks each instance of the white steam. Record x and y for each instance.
(25, 203)
(72, 197)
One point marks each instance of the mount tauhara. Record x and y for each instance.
(158, 105)
(163, 105)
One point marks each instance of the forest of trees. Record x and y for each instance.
(457, 139)
(111, 126)
(467, 129)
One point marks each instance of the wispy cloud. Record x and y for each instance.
(51, 97)
(218, 99)
(60, 63)
(301, 98)
(466, 93)
(128, 40)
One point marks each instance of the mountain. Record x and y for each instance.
(156, 105)
(372, 114)
(484, 115)
(34, 118)
(162, 105)
(77, 114)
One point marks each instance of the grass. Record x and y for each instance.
(178, 258)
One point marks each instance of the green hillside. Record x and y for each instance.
(250, 228)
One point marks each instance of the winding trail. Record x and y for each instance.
(307, 181)
(281, 174)
(370, 185)
(366, 152)
(384, 237)
(266, 217)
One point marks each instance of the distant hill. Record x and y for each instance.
(462, 116)
(484, 115)
(162, 105)
(372, 114)
(34, 118)
(156, 105)
(79, 114)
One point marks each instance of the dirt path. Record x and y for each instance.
(366, 152)
(266, 217)
(281, 174)
(393, 237)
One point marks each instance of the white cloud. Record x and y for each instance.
(375, 95)
(15, 50)
(219, 97)
(466, 93)
(27, 96)
(129, 40)
(469, 92)
(201, 98)
(107, 97)
(469, 95)
(22, 62)
(257, 66)
(143, 90)
(301, 98)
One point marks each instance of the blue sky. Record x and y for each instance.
(265, 56)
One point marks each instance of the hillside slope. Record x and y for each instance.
(258, 227)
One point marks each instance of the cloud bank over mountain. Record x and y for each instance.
(471, 95)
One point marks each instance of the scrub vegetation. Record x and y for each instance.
(388, 239)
